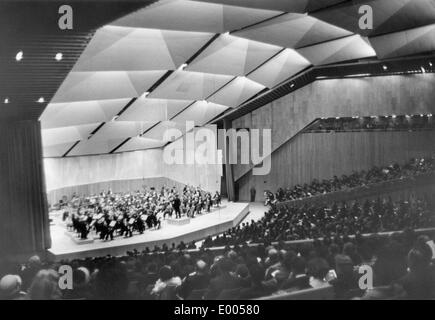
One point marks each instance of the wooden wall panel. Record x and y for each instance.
(407, 94)
(323, 155)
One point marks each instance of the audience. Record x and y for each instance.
(384, 123)
(298, 222)
(356, 179)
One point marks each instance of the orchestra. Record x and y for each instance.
(110, 214)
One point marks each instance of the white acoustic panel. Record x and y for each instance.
(67, 114)
(200, 113)
(165, 127)
(93, 146)
(286, 64)
(102, 85)
(57, 136)
(194, 16)
(408, 42)
(122, 129)
(57, 150)
(184, 85)
(236, 92)
(349, 48)
(146, 109)
(140, 143)
(233, 56)
(115, 48)
(293, 30)
(281, 5)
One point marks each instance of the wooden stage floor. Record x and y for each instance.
(219, 220)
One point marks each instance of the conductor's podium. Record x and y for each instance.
(179, 222)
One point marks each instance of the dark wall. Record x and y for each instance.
(24, 226)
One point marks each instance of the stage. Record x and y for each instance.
(219, 220)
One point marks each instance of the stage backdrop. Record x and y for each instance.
(126, 171)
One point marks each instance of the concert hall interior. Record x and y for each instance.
(217, 149)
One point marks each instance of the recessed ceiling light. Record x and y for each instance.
(292, 85)
(6, 100)
(430, 64)
(19, 56)
(41, 100)
(58, 56)
(384, 67)
(393, 116)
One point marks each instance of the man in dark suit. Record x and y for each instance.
(197, 280)
(176, 205)
(298, 279)
(224, 281)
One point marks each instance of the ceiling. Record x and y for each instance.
(178, 60)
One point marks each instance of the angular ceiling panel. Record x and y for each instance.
(76, 113)
(92, 147)
(145, 109)
(57, 150)
(194, 16)
(293, 31)
(57, 136)
(182, 60)
(122, 129)
(140, 143)
(236, 92)
(183, 85)
(349, 48)
(404, 43)
(200, 113)
(232, 56)
(80, 86)
(281, 5)
(280, 68)
(164, 130)
(116, 48)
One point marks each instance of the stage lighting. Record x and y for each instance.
(41, 100)
(19, 56)
(58, 56)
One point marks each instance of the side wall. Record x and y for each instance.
(408, 94)
(323, 155)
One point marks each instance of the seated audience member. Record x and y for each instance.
(257, 288)
(298, 279)
(151, 275)
(346, 278)
(81, 285)
(317, 270)
(419, 282)
(10, 288)
(30, 270)
(197, 280)
(166, 282)
(111, 281)
(45, 286)
(225, 279)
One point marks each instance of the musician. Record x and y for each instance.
(176, 205)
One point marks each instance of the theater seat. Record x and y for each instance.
(325, 293)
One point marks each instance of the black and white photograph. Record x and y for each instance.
(219, 155)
